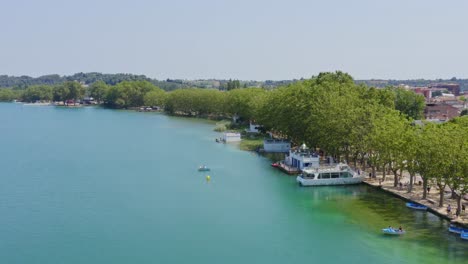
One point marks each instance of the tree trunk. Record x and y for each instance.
(424, 188)
(373, 172)
(395, 179)
(411, 179)
(384, 173)
(441, 195)
(459, 205)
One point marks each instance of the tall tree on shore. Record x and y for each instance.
(432, 159)
(61, 93)
(37, 93)
(243, 102)
(76, 90)
(157, 97)
(7, 95)
(458, 167)
(411, 153)
(98, 91)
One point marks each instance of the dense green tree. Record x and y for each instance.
(457, 170)
(232, 84)
(195, 102)
(128, 94)
(244, 102)
(157, 97)
(7, 95)
(409, 103)
(98, 91)
(432, 158)
(286, 110)
(37, 93)
(61, 93)
(76, 90)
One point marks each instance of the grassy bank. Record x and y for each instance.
(251, 144)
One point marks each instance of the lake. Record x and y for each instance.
(92, 185)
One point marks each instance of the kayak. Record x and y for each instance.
(392, 231)
(464, 235)
(457, 230)
(416, 206)
(203, 168)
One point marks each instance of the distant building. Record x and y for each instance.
(276, 145)
(231, 137)
(442, 112)
(253, 128)
(302, 157)
(426, 92)
(453, 88)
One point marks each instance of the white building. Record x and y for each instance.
(302, 157)
(231, 137)
(253, 128)
(275, 145)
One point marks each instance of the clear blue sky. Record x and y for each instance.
(254, 40)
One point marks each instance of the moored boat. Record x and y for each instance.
(464, 235)
(457, 230)
(393, 231)
(341, 174)
(416, 206)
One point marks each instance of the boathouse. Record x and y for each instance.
(276, 145)
(231, 137)
(302, 157)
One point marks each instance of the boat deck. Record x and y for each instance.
(288, 169)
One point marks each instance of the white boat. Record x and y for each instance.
(393, 231)
(203, 168)
(340, 174)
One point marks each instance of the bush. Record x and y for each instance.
(222, 126)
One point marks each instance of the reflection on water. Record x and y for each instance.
(375, 209)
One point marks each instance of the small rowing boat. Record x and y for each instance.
(392, 231)
(457, 230)
(416, 206)
(203, 168)
(464, 235)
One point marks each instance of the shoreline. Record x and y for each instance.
(416, 197)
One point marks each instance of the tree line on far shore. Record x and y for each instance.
(371, 127)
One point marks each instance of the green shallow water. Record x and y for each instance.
(91, 185)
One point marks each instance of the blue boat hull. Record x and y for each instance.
(457, 230)
(416, 206)
(464, 235)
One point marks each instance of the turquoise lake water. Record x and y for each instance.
(91, 185)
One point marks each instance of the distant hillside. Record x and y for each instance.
(21, 82)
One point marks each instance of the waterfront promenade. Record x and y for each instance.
(431, 202)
